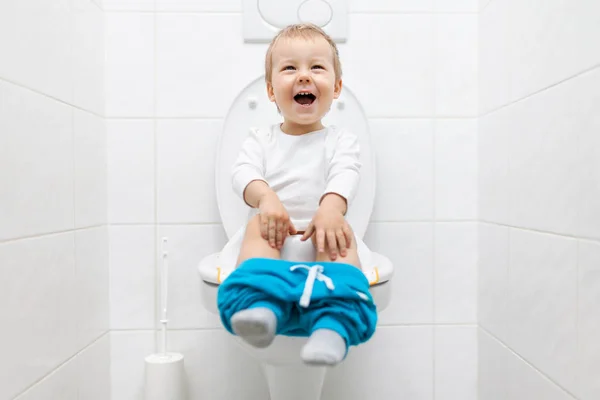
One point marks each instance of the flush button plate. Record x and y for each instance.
(262, 19)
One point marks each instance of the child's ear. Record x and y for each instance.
(270, 92)
(337, 89)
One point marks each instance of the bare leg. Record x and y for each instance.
(256, 325)
(325, 345)
(253, 245)
(351, 253)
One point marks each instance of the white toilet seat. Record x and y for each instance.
(253, 109)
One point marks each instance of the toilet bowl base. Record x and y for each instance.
(294, 382)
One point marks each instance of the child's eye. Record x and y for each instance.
(318, 66)
(289, 68)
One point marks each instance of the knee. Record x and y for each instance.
(350, 244)
(253, 228)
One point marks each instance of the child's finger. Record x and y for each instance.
(320, 240)
(279, 234)
(349, 236)
(341, 238)
(308, 232)
(272, 227)
(332, 243)
(264, 227)
(292, 229)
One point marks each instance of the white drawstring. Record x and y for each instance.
(314, 272)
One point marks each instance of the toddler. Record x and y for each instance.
(298, 178)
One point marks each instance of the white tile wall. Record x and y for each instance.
(492, 364)
(210, 357)
(504, 375)
(40, 296)
(131, 164)
(391, 81)
(186, 155)
(128, 5)
(186, 246)
(132, 277)
(543, 302)
(455, 158)
(493, 272)
(53, 236)
(88, 59)
(455, 62)
(456, 6)
(373, 371)
(85, 376)
(60, 384)
(545, 177)
(127, 353)
(92, 280)
(94, 370)
(455, 272)
(589, 320)
(199, 5)
(527, 55)
(409, 246)
(493, 166)
(90, 169)
(538, 163)
(45, 39)
(37, 141)
(587, 127)
(388, 6)
(129, 64)
(195, 78)
(404, 159)
(455, 363)
(525, 382)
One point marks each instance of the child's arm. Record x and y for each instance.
(329, 224)
(343, 174)
(249, 182)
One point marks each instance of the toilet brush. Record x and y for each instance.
(164, 373)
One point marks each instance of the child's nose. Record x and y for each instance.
(304, 78)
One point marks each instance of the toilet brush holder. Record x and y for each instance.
(164, 372)
(165, 377)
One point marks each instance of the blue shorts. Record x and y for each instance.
(304, 297)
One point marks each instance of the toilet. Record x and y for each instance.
(287, 377)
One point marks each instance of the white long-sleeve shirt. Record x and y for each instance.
(300, 169)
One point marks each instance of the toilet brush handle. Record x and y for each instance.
(164, 294)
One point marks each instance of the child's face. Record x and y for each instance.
(303, 66)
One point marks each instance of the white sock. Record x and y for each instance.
(257, 326)
(324, 347)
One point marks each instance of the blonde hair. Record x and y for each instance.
(305, 31)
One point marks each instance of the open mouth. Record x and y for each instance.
(305, 98)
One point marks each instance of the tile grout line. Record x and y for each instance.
(539, 91)
(53, 233)
(39, 93)
(221, 118)
(563, 235)
(62, 364)
(433, 45)
(196, 12)
(157, 242)
(529, 364)
(386, 326)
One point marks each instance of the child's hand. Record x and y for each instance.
(329, 225)
(275, 222)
